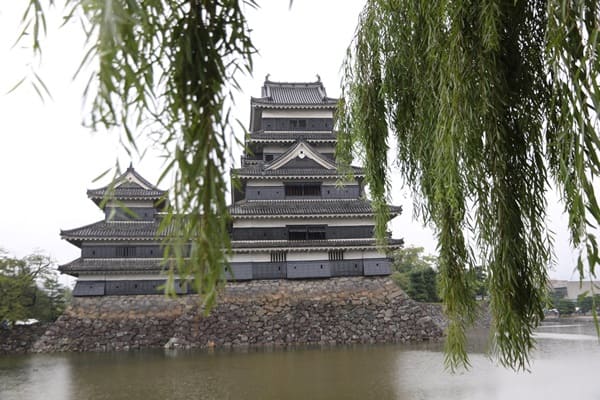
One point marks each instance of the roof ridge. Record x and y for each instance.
(122, 179)
(291, 83)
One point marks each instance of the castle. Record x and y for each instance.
(290, 217)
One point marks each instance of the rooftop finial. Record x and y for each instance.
(318, 78)
(267, 77)
(130, 165)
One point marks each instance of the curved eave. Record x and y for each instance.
(304, 176)
(306, 216)
(291, 140)
(159, 201)
(103, 266)
(294, 106)
(68, 268)
(72, 239)
(96, 197)
(395, 211)
(116, 231)
(293, 132)
(119, 272)
(301, 216)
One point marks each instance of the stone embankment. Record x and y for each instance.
(20, 338)
(483, 319)
(249, 314)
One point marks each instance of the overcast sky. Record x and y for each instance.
(48, 160)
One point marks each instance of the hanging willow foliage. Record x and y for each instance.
(488, 101)
(170, 65)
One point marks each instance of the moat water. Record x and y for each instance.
(565, 366)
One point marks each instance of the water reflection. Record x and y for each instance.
(361, 372)
(35, 377)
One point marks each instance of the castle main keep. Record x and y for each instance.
(291, 218)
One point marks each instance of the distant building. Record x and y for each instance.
(573, 289)
(290, 217)
(559, 288)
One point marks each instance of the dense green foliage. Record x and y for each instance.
(565, 306)
(167, 68)
(487, 100)
(481, 282)
(29, 289)
(423, 285)
(415, 273)
(586, 303)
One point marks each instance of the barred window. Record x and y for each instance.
(306, 233)
(278, 256)
(336, 255)
(297, 234)
(297, 124)
(316, 233)
(302, 189)
(126, 251)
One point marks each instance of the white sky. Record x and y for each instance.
(48, 160)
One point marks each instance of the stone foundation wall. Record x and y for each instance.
(248, 314)
(19, 339)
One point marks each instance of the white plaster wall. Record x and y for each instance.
(264, 182)
(307, 256)
(353, 254)
(254, 257)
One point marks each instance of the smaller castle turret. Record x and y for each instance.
(122, 253)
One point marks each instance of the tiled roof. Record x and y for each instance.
(294, 93)
(312, 207)
(258, 172)
(127, 193)
(139, 230)
(312, 245)
(124, 188)
(108, 265)
(292, 136)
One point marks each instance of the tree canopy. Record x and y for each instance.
(29, 289)
(168, 68)
(416, 273)
(488, 101)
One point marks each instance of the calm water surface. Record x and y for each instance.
(565, 366)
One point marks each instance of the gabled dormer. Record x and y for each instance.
(301, 155)
(129, 197)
